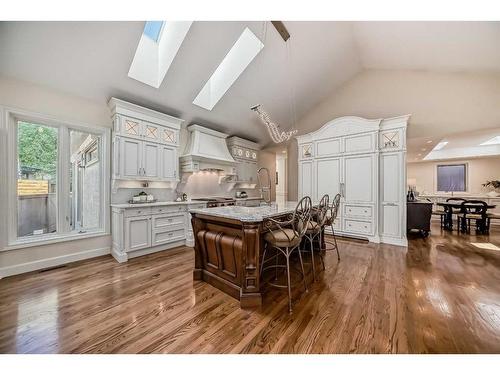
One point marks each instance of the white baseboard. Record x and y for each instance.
(51, 262)
(120, 257)
(394, 241)
(155, 249)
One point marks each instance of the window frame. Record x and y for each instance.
(466, 166)
(63, 233)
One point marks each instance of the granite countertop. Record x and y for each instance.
(167, 203)
(248, 214)
(457, 195)
(249, 199)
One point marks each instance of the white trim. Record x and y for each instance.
(119, 257)
(32, 242)
(9, 227)
(394, 241)
(52, 262)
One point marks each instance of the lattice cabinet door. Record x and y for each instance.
(152, 132)
(131, 127)
(169, 136)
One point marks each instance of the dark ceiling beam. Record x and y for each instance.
(281, 29)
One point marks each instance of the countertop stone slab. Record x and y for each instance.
(248, 214)
(169, 203)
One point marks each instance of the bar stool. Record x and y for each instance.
(285, 237)
(330, 221)
(314, 229)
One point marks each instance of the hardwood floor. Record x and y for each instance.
(440, 296)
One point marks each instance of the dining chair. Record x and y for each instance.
(455, 210)
(315, 229)
(285, 236)
(438, 212)
(330, 221)
(472, 210)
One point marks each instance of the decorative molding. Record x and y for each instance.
(118, 106)
(341, 126)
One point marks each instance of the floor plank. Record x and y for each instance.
(441, 295)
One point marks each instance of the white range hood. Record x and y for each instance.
(207, 150)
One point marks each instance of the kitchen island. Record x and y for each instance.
(228, 247)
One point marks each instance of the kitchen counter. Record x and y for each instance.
(247, 214)
(228, 247)
(167, 203)
(457, 195)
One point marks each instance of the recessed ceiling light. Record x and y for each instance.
(492, 141)
(429, 141)
(423, 149)
(419, 155)
(440, 145)
(231, 67)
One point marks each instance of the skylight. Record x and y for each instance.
(440, 145)
(232, 66)
(152, 29)
(158, 46)
(492, 141)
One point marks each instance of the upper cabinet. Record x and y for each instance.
(145, 143)
(246, 154)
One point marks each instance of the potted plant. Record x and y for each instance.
(494, 185)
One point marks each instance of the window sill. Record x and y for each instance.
(32, 242)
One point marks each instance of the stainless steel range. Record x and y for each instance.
(217, 201)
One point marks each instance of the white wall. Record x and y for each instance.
(440, 104)
(26, 96)
(479, 171)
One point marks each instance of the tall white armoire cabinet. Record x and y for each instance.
(365, 162)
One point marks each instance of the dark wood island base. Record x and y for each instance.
(227, 254)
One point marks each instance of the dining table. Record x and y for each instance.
(449, 208)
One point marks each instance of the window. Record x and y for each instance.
(232, 66)
(37, 179)
(451, 177)
(56, 179)
(492, 141)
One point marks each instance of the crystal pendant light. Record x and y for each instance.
(277, 135)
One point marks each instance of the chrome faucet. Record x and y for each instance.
(263, 188)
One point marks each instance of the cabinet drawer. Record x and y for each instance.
(168, 209)
(137, 211)
(355, 226)
(360, 211)
(161, 237)
(162, 221)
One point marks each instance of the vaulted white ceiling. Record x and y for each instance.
(92, 59)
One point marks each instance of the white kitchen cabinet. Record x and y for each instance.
(141, 160)
(305, 178)
(328, 177)
(364, 161)
(151, 160)
(143, 230)
(138, 233)
(169, 163)
(145, 143)
(246, 155)
(129, 157)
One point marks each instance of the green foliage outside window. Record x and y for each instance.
(37, 150)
